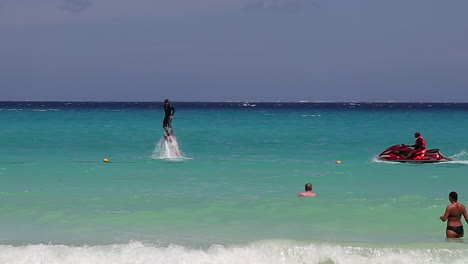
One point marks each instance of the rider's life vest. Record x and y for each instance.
(423, 143)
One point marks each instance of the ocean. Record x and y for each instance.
(232, 196)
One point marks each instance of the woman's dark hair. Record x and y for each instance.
(454, 196)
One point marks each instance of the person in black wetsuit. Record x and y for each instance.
(453, 214)
(169, 112)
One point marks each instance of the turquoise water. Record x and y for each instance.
(233, 199)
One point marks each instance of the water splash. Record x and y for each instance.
(377, 160)
(462, 155)
(167, 148)
(459, 158)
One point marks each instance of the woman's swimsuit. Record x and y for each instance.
(456, 229)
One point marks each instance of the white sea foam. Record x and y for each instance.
(461, 156)
(167, 150)
(377, 160)
(272, 252)
(463, 162)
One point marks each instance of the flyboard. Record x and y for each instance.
(170, 142)
(167, 148)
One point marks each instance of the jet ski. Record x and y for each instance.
(397, 154)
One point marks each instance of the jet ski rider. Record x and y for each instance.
(419, 147)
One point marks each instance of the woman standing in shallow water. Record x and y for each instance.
(453, 214)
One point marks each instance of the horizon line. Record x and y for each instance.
(247, 101)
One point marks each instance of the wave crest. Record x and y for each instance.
(283, 252)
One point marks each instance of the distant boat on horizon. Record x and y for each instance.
(247, 104)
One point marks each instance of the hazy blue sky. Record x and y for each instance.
(234, 50)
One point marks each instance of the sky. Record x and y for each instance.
(234, 50)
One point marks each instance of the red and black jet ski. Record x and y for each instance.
(397, 154)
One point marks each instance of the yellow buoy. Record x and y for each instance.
(338, 162)
(105, 160)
